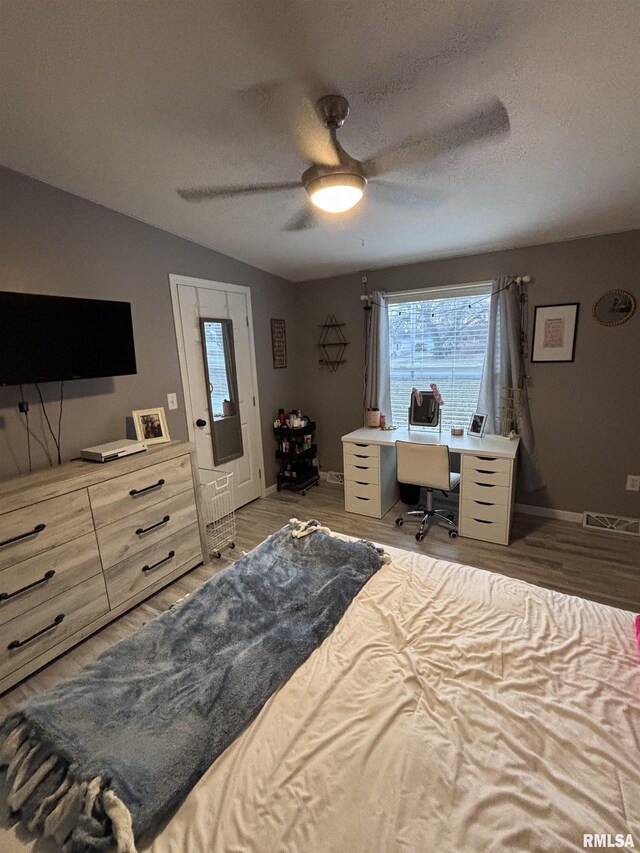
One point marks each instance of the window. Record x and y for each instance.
(439, 335)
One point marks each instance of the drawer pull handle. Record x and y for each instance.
(169, 556)
(17, 644)
(37, 529)
(362, 483)
(362, 499)
(482, 471)
(135, 492)
(482, 521)
(361, 467)
(487, 458)
(141, 530)
(484, 503)
(5, 596)
(360, 455)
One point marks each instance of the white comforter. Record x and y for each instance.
(451, 710)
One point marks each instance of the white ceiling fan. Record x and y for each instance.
(336, 181)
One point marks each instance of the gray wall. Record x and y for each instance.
(586, 413)
(54, 242)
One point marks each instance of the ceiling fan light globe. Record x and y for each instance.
(336, 193)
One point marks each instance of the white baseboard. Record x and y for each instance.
(270, 490)
(547, 512)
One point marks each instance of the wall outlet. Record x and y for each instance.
(633, 483)
(172, 401)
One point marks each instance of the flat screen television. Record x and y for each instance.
(53, 338)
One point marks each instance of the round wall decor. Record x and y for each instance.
(614, 307)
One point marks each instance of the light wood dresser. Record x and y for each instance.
(83, 542)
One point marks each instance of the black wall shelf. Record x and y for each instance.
(332, 344)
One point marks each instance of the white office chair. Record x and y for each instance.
(427, 465)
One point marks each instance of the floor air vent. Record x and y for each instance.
(335, 477)
(611, 523)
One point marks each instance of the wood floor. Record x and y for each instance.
(555, 554)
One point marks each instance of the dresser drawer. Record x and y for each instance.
(485, 493)
(136, 532)
(36, 528)
(148, 486)
(43, 627)
(361, 474)
(130, 577)
(46, 575)
(485, 531)
(484, 512)
(485, 463)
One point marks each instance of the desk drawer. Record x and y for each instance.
(148, 486)
(484, 512)
(361, 474)
(363, 505)
(36, 528)
(485, 531)
(487, 478)
(362, 451)
(485, 493)
(50, 623)
(47, 575)
(130, 577)
(485, 463)
(137, 532)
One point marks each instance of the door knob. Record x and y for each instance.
(201, 423)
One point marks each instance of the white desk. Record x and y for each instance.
(487, 470)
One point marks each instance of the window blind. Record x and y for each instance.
(217, 368)
(439, 335)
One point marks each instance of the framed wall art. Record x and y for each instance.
(554, 332)
(279, 343)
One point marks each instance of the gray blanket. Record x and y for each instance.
(100, 759)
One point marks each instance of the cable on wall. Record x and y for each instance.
(23, 406)
(56, 440)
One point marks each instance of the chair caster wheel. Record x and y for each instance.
(451, 516)
(453, 534)
(399, 522)
(232, 544)
(419, 536)
(217, 555)
(303, 492)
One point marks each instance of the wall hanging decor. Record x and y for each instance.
(279, 343)
(332, 344)
(614, 307)
(554, 332)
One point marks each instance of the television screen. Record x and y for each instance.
(50, 338)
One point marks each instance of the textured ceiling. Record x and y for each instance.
(123, 102)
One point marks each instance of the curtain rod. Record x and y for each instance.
(519, 279)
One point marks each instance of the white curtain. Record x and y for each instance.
(377, 376)
(504, 367)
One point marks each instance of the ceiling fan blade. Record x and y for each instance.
(490, 120)
(209, 193)
(304, 219)
(289, 105)
(402, 195)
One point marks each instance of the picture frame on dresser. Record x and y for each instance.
(151, 425)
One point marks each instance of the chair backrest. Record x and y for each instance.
(423, 465)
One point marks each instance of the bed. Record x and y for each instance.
(451, 709)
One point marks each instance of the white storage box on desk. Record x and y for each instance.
(217, 505)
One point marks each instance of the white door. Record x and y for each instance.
(193, 300)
